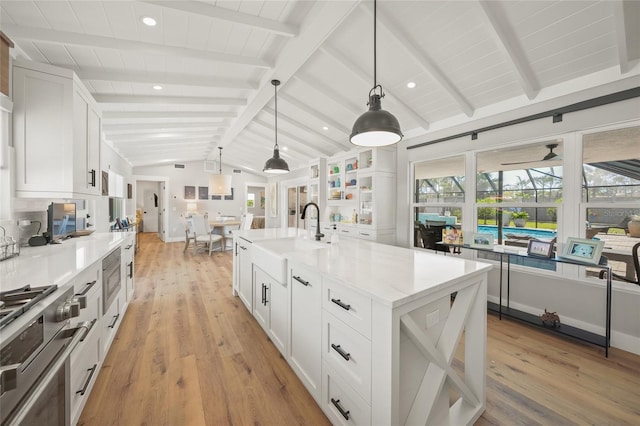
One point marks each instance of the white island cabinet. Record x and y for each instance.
(374, 330)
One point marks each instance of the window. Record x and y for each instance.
(611, 194)
(518, 192)
(438, 199)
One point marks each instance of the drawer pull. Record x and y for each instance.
(86, 384)
(301, 281)
(342, 353)
(130, 265)
(336, 403)
(341, 304)
(115, 320)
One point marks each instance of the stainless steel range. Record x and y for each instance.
(36, 339)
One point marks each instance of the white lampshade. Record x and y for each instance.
(220, 184)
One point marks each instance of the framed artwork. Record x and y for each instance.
(216, 197)
(229, 197)
(540, 248)
(452, 236)
(581, 250)
(482, 241)
(189, 192)
(262, 199)
(273, 199)
(203, 193)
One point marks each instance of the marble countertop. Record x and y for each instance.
(59, 263)
(391, 275)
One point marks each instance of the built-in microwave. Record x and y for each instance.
(111, 276)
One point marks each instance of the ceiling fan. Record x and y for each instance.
(550, 156)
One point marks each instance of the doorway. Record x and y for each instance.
(297, 197)
(150, 200)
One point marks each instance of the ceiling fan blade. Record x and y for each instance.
(518, 162)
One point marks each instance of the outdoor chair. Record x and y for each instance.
(636, 264)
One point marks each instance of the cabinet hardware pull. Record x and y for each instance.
(266, 288)
(263, 294)
(86, 384)
(364, 233)
(336, 403)
(93, 177)
(341, 304)
(243, 247)
(301, 281)
(128, 247)
(115, 320)
(342, 353)
(130, 265)
(236, 249)
(344, 230)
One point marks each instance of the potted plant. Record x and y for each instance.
(634, 225)
(520, 218)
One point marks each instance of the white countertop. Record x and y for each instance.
(254, 235)
(57, 263)
(389, 274)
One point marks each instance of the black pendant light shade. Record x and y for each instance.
(276, 165)
(375, 127)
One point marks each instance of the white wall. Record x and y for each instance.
(194, 175)
(578, 300)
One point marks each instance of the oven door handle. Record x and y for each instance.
(79, 332)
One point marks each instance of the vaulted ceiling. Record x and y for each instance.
(215, 61)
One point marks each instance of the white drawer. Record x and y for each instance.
(365, 234)
(347, 231)
(88, 280)
(85, 361)
(347, 305)
(348, 352)
(340, 403)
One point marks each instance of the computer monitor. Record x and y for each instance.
(61, 220)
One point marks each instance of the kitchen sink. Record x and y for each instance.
(270, 255)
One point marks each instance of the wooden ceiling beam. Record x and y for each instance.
(166, 100)
(96, 41)
(421, 58)
(227, 15)
(507, 41)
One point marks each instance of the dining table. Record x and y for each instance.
(622, 255)
(220, 227)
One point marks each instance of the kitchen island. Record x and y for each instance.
(371, 329)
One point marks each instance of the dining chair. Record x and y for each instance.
(228, 236)
(245, 222)
(202, 235)
(187, 235)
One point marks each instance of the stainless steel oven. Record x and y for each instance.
(111, 277)
(35, 349)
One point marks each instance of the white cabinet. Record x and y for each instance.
(271, 308)
(110, 322)
(56, 133)
(245, 275)
(305, 344)
(128, 266)
(85, 363)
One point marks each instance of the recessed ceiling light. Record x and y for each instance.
(157, 87)
(149, 21)
(284, 148)
(325, 128)
(411, 84)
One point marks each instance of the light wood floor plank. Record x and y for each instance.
(188, 353)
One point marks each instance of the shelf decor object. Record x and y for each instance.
(376, 127)
(276, 165)
(220, 184)
(540, 248)
(581, 250)
(480, 240)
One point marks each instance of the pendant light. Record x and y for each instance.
(375, 127)
(220, 184)
(276, 165)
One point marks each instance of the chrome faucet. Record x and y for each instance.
(304, 211)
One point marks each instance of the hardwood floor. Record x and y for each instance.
(188, 353)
